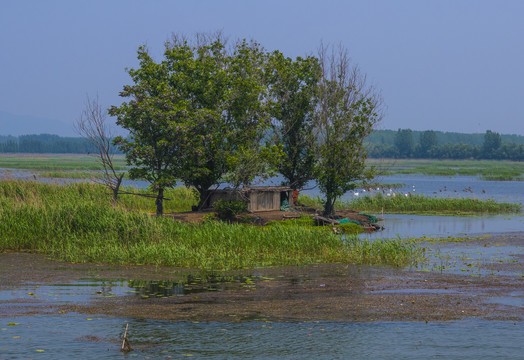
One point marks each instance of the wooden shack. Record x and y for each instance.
(258, 198)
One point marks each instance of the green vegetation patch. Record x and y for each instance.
(76, 223)
(485, 169)
(418, 204)
(421, 204)
(56, 162)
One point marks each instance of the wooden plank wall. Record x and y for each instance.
(264, 201)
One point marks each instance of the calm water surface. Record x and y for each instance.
(76, 336)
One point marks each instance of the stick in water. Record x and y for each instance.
(125, 344)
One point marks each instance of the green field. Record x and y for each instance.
(56, 162)
(78, 166)
(485, 169)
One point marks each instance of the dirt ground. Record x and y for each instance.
(334, 292)
(262, 217)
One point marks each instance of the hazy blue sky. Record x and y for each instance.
(450, 65)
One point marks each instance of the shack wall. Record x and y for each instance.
(258, 199)
(264, 201)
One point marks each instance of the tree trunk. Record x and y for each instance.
(329, 206)
(116, 188)
(204, 194)
(160, 202)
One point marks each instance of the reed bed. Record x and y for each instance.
(398, 203)
(76, 223)
(485, 169)
(422, 204)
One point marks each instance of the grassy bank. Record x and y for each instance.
(422, 204)
(56, 162)
(419, 204)
(485, 169)
(76, 223)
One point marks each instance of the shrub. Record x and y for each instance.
(227, 209)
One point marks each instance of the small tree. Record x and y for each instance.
(293, 89)
(93, 126)
(346, 112)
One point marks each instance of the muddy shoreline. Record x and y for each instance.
(323, 292)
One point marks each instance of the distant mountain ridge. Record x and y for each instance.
(16, 125)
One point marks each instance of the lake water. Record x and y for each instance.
(75, 336)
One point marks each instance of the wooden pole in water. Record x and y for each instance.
(125, 343)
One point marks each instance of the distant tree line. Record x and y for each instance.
(45, 143)
(405, 144)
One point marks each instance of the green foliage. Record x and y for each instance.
(302, 221)
(417, 204)
(346, 112)
(428, 141)
(293, 85)
(45, 143)
(151, 117)
(421, 204)
(76, 223)
(227, 209)
(198, 115)
(492, 142)
(404, 143)
(381, 144)
(349, 228)
(55, 162)
(487, 170)
(209, 217)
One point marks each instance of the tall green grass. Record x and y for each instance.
(76, 223)
(417, 204)
(485, 169)
(422, 204)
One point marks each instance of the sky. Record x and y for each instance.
(447, 65)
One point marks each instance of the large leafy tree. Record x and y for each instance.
(155, 120)
(293, 89)
(346, 112)
(198, 115)
(225, 93)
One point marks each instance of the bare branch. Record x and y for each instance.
(93, 126)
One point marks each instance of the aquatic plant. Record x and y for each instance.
(76, 223)
(486, 170)
(422, 204)
(418, 204)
